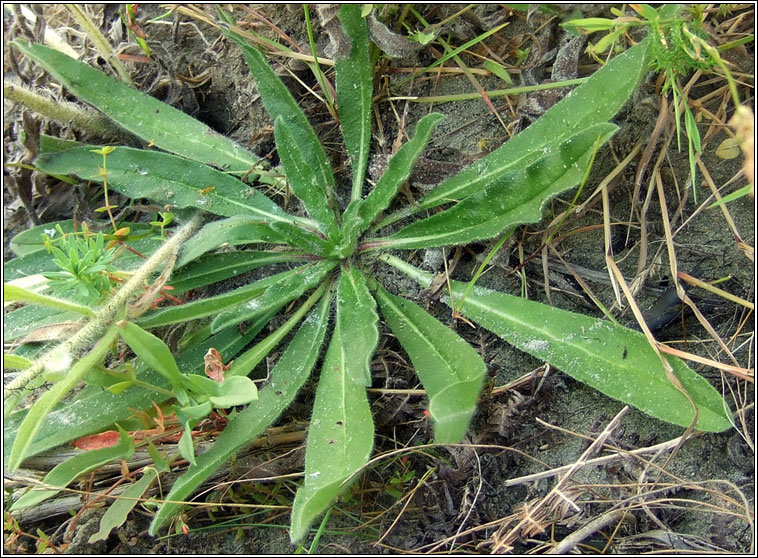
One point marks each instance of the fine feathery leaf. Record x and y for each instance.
(356, 321)
(354, 92)
(141, 114)
(340, 440)
(288, 375)
(514, 199)
(451, 371)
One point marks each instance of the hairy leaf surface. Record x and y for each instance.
(616, 361)
(356, 321)
(279, 293)
(451, 371)
(514, 199)
(141, 114)
(354, 92)
(340, 440)
(595, 101)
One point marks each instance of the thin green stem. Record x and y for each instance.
(512, 91)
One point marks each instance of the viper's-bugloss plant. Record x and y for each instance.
(327, 286)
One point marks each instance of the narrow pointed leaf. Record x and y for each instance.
(116, 514)
(595, 101)
(240, 229)
(354, 92)
(516, 198)
(141, 114)
(616, 361)
(211, 305)
(14, 292)
(64, 473)
(356, 321)
(340, 440)
(279, 103)
(451, 371)
(212, 268)
(167, 179)
(287, 376)
(299, 161)
(288, 288)
(398, 170)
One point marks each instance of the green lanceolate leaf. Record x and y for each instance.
(354, 92)
(451, 371)
(41, 408)
(398, 170)
(141, 114)
(63, 474)
(305, 180)
(288, 288)
(117, 512)
(614, 360)
(167, 179)
(240, 229)
(514, 199)
(356, 321)
(279, 103)
(211, 305)
(288, 375)
(212, 268)
(595, 101)
(340, 440)
(154, 352)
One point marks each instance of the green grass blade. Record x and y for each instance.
(515, 198)
(41, 408)
(354, 93)
(141, 114)
(451, 371)
(13, 293)
(593, 102)
(65, 473)
(356, 321)
(277, 294)
(616, 361)
(288, 375)
(340, 440)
